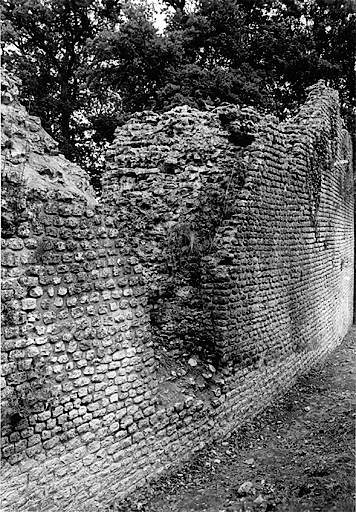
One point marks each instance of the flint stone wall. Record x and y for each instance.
(217, 267)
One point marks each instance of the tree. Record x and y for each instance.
(265, 53)
(44, 44)
(333, 30)
(87, 65)
(178, 5)
(132, 60)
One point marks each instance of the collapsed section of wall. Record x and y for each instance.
(177, 178)
(217, 267)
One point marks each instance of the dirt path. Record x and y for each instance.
(297, 457)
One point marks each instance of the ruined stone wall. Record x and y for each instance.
(292, 233)
(216, 268)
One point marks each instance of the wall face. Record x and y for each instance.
(292, 233)
(217, 268)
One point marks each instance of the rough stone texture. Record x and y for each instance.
(216, 268)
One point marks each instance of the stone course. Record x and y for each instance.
(216, 268)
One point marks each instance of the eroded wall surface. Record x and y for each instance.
(217, 266)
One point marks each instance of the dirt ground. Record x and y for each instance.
(299, 456)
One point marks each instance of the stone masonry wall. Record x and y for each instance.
(292, 232)
(216, 268)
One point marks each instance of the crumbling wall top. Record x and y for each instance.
(29, 151)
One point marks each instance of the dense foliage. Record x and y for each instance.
(87, 65)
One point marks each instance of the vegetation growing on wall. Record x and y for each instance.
(317, 165)
(188, 243)
(77, 277)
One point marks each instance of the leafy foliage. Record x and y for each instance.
(44, 44)
(87, 65)
(265, 53)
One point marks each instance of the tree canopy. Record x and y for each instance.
(87, 65)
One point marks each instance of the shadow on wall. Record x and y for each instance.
(217, 268)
